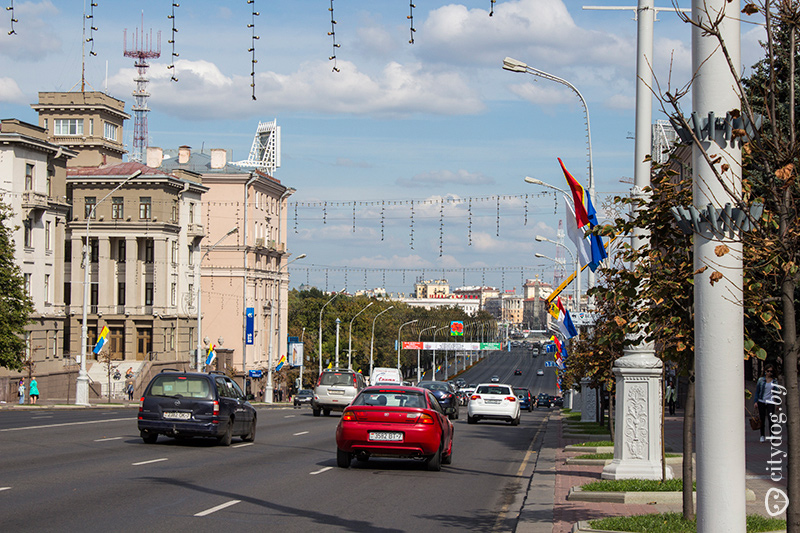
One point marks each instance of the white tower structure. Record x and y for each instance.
(265, 154)
(142, 50)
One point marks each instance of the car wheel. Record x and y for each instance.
(315, 412)
(251, 436)
(225, 440)
(343, 458)
(515, 422)
(471, 419)
(448, 459)
(149, 438)
(530, 408)
(435, 461)
(326, 412)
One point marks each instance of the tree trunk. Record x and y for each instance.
(688, 431)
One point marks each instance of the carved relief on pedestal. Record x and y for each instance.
(636, 436)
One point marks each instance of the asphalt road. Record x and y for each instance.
(88, 470)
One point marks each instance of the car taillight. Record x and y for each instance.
(355, 381)
(319, 380)
(425, 419)
(141, 404)
(348, 415)
(511, 398)
(474, 397)
(216, 408)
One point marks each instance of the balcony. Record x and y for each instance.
(34, 200)
(195, 230)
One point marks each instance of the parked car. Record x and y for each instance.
(495, 402)
(336, 388)
(194, 404)
(445, 394)
(395, 421)
(525, 397)
(543, 400)
(303, 397)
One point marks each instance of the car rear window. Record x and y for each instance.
(336, 378)
(434, 386)
(391, 398)
(521, 391)
(184, 386)
(492, 389)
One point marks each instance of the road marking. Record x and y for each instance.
(242, 445)
(301, 433)
(107, 438)
(5, 488)
(321, 471)
(68, 424)
(288, 416)
(218, 508)
(150, 461)
(43, 416)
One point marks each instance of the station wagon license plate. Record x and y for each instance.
(385, 435)
(175, 415)
(335, 391)
(493, 401)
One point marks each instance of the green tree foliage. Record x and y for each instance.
(15, 303)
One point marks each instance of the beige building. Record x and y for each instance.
(506, 308)
(87, 122)
(477, 293)
(33, 182)
(436, 288)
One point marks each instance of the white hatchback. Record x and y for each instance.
(493, 401)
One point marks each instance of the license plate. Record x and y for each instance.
(173, 415)
(334, 391)
(493, 401)
(386, 435)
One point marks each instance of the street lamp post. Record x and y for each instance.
(350, 339)
(400, 340)
(302, 359)
(320, 328)
(372, 340)
(199, 354)
(337, 341)
(82, 383)
(268, 397)
(434, 349)
(574, 261)
(419, 373)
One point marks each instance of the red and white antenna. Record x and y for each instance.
(142, 49)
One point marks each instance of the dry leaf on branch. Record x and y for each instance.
(785, 173)
(700, 270)
(721, 250)
(715, 277)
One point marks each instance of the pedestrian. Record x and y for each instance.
(129, 390)
(34, 390)
(21, 391)
(129, 373)
(670, 397)
(764, 401)
(262, 393)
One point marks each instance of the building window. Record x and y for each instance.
(45, 123)
(110, 131)
(191, 212)
(50, 175)
(91, 126)
(117, 208)
(144, 208)
(68, 251)
(121, 293)
(191, 255)
(173, 295)
(27, 235)
(89, 203)
(174, 210)
(171, 338)
(47, 235)
(191, 295)
(174, 252)
(68, 126)
(94, 295)
(148, 293)
(28, 284)
(94, 250)
(47, 288)
(149, 248)
(121, 250)
(67, 295)
(28, 176)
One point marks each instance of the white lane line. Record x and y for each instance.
(288, 416)
(321, 471)
(301, 433)
(68, 424)
(107, 438)
(43, 416)
(242, 445)
(218, 508)
(150, 461)
(5, 488)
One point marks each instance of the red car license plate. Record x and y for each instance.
(385, 435)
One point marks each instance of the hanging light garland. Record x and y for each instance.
(92, 27)
(332, 34)
(252, 49)
(13, 19)
(412, 224)
(491, 8)
(411, 19)
(172, 42)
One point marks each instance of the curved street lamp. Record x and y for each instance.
(320, 328)
(372, 340)
(82, 383)
(419, 373)
(539, 238)
(350, 341)
(400, 339)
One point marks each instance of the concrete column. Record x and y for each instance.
(589, 402)
(719, 363)
(105, 277)
(132, 292)
(576, 400)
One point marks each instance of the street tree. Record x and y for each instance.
(16, 305)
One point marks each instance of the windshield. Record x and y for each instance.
(432, 385)
(336, 378)
(391, 398)
(181, 386)
(521, 392)
(492, 389)
(304, 392)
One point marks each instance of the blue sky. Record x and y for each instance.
(400, 122)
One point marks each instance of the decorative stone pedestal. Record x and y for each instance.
(637, 431)
(589, 402)
(577, 402)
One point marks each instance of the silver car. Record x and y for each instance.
(336, 388)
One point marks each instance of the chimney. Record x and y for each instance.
(155, 156)
(183, 154)
(219, 158)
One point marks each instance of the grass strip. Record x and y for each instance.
(610, 455)
(634, 485)
(674, 523)
(595, 443)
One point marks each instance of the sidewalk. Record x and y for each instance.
(546, 509)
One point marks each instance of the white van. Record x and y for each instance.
(385, 375)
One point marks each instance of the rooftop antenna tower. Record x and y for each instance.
(141, 50)
(559, 272)
(265, 153)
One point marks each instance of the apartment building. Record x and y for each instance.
(33, 182)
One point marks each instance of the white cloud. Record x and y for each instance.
(10, 92)
(544, 94)
(439, 177)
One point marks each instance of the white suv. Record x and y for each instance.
(493, 401)
(336, 388)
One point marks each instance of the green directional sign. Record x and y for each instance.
(490, 346)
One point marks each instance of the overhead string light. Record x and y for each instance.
(332, 33)
(171, 41)
(441, 227)
(326, 280)
(410, 17)
(295, 218)
(354, 217)
(469, 211)
(365, 279)
(383, 218)
(412, 224)
(13, 19)
(491, 9)
(92, 27)
(555, 203)
(525, 223)
(252, 49)
(498, 216)
(325, 213)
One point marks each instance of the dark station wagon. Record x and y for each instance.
(193, 404)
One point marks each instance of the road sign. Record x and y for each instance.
(549, 363)
(255, 373)
(250, 314)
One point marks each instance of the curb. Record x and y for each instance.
(589, 449)
(640, 498)
(603, 462)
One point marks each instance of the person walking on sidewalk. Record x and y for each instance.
(764, 401)
(670, 397)
(21, 391)
(34, 390)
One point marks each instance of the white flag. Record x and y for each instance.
(576, 235)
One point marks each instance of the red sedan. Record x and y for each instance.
(394, 421)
